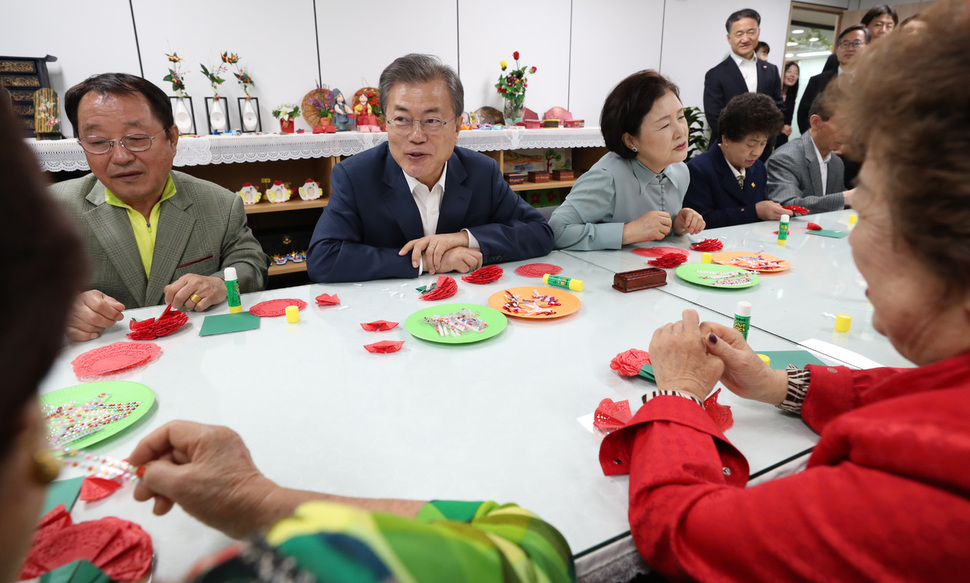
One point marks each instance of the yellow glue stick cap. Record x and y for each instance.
(706, 257)
(843, 322)
(292, 314)
(765, 358)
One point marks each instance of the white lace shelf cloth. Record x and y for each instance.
(66, 155)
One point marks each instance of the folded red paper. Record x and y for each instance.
(721, 414)
(445, 287)
(795, 209)
(814, 227)
(118, 547)
(150, 329)
(629, 362)
(668, 260)
(484, 275)
(659, 251)
(327, 300)
(612, 415)
(275, 308)
(384, 346)
(94, 488)
(537, 269)
(708, 245)
(378, 325)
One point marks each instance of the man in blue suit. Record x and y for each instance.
(727, 183)
(740, 72)
(419, 203)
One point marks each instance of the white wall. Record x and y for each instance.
(581, 48)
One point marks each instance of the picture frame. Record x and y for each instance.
(216, 110)
(185, 115)
(249, 107)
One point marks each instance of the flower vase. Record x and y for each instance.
(513, 112)
(249, 118)
(286, 125)
(183, 119)
(217, 117)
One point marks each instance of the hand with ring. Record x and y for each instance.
(433, 247)
(195, 292)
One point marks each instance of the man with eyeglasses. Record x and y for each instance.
(740, 72)
(851, 41)
(152, 235)
(418, 203)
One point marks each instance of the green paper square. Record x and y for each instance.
(88, 573)
(828, 233)
(62, 574)
(780, 359)
(62, 492)
(647, 372)
(226, 323)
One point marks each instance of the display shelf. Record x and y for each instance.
(288, 267)
(265, 206)
(543, 185)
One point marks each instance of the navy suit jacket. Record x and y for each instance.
(715, 194)
(816, 85)
(724, 81)
(372, 214)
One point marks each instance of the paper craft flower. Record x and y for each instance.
(484, 275)
(629, 362)
(286, 111)
(275, 308)
(95, 488)
(384, 346)
(327, 300)
(721, 414)
(668, 260)
(512, 84)
(215, 80)
(150, 329)
(175, 75)
(230, 58)
(659, 251)
(378, 325)
(611, 414)
(537, 269)
(795, 209)
(445, 287)
(708, 245)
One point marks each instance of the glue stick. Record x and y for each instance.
(742, 318)
(566, 282)
(783, 230)
(232, 291)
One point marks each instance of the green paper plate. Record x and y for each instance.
(120, 391)
(420, 329)
(719, 276)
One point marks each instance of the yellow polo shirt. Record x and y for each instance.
(144, 232)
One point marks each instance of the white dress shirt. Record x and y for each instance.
(823, 166)
(749, 70)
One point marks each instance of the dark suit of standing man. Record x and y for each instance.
(732, 75)
(854, 39)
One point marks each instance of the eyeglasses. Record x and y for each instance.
(430, 125)
(854, 44)
(131, 142)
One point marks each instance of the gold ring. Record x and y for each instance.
(195, 298)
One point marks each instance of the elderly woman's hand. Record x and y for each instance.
(688, 221)
(745, 374)
(652, 226)
(680, 359)
(207, 471)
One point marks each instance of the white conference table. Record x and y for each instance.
(799, 304)
(496, 420)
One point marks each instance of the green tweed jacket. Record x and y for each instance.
(202, 229)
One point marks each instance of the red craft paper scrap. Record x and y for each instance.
(721, 414)
(484, 275)
(150, 329)
(275, 308)
(659, 251)
(612, 414)
(114, 357)
(668, 260)
(708, 245)
(814, 227)
(445, 287)
(327, 300)
(384, 346)
(94, 488)
(537, 269)
(795, 209)
(629, 362)
(378, 325)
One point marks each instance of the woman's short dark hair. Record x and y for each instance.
(750, 113)
(415, 68)
(626, 106)
(921, 138)
(877, 11)
(49, 271)
(120, 84)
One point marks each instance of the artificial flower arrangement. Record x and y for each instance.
(240, 72)
(286, 111)
(175, 75)
(214, 76)
(512, 85)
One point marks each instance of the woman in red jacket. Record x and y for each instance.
(886, 495)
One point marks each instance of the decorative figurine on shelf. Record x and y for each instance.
(47, 117)
(310, 190)
(250, 194)
(511, 86)
(182, 109)
(363, 112)
(341, 111)
(278, 192)
(286, 113)
(216, 106)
